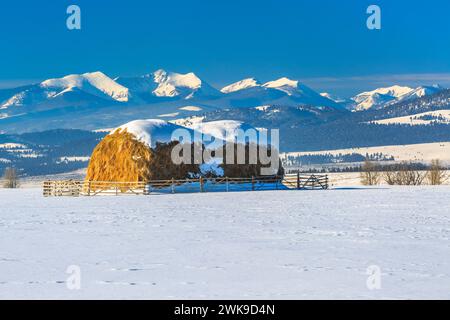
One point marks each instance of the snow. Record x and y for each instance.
(12, 145)
(420, 92)
(333, 97)
(263, 108)
(226, 130)
(188, 122)
(169, 115)
(241, 85)
(394, 91)
(425, 118)
(151, 131)
(73, 159)
(380, 96)
(424, 152)
(245, 245)
(386, 96)
(170, 82)
(103, 130)
(89, 82)
(16, 100)
(212, 167)
(288, 86)
(191, 108)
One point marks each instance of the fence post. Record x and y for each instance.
(173, 185)
(89, 188)
(226, 181)
(253, 183)
(298, 179)
(201, 184)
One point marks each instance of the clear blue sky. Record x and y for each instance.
(323, 42)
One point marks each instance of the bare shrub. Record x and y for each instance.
(404, 174)
(369, 174)
(10, 178)
(436, 175)
(390, 177)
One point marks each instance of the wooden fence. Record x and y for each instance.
(62, 188)
(308, 182)
(224, 184)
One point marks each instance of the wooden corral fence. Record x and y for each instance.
(225, 184)
(92, 188)
(306, 182)
(62, 188)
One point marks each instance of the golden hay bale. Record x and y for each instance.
(119, 157)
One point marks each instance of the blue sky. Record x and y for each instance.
(325, 43)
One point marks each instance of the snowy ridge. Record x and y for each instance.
(93, 83)
(241, 85)
(424, 118)
(286, 85)
(420, 92)
(333, 97)
(171, 84)
(382, 97)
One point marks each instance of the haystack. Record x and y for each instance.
(124, 156)
(140, 151)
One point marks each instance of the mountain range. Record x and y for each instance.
(52, 126)
(154, 87)
(382, 97)
(95, 100)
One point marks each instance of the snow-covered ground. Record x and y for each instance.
(422, 152)
(272, 244)
(425, 118)
(351, 179)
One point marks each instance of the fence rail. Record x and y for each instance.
(224, 184)
(311, 182)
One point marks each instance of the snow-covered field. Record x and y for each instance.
(272, 244)
(425, 118)
(423, 152)
(351, 179)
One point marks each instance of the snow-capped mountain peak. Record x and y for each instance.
(241, 85)
(421, 91)
(381, 97)
(96, 83)
(283, 84)
(378, 97)
(171, 84)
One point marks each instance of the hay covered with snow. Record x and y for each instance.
(141, 150)
(123, 156)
